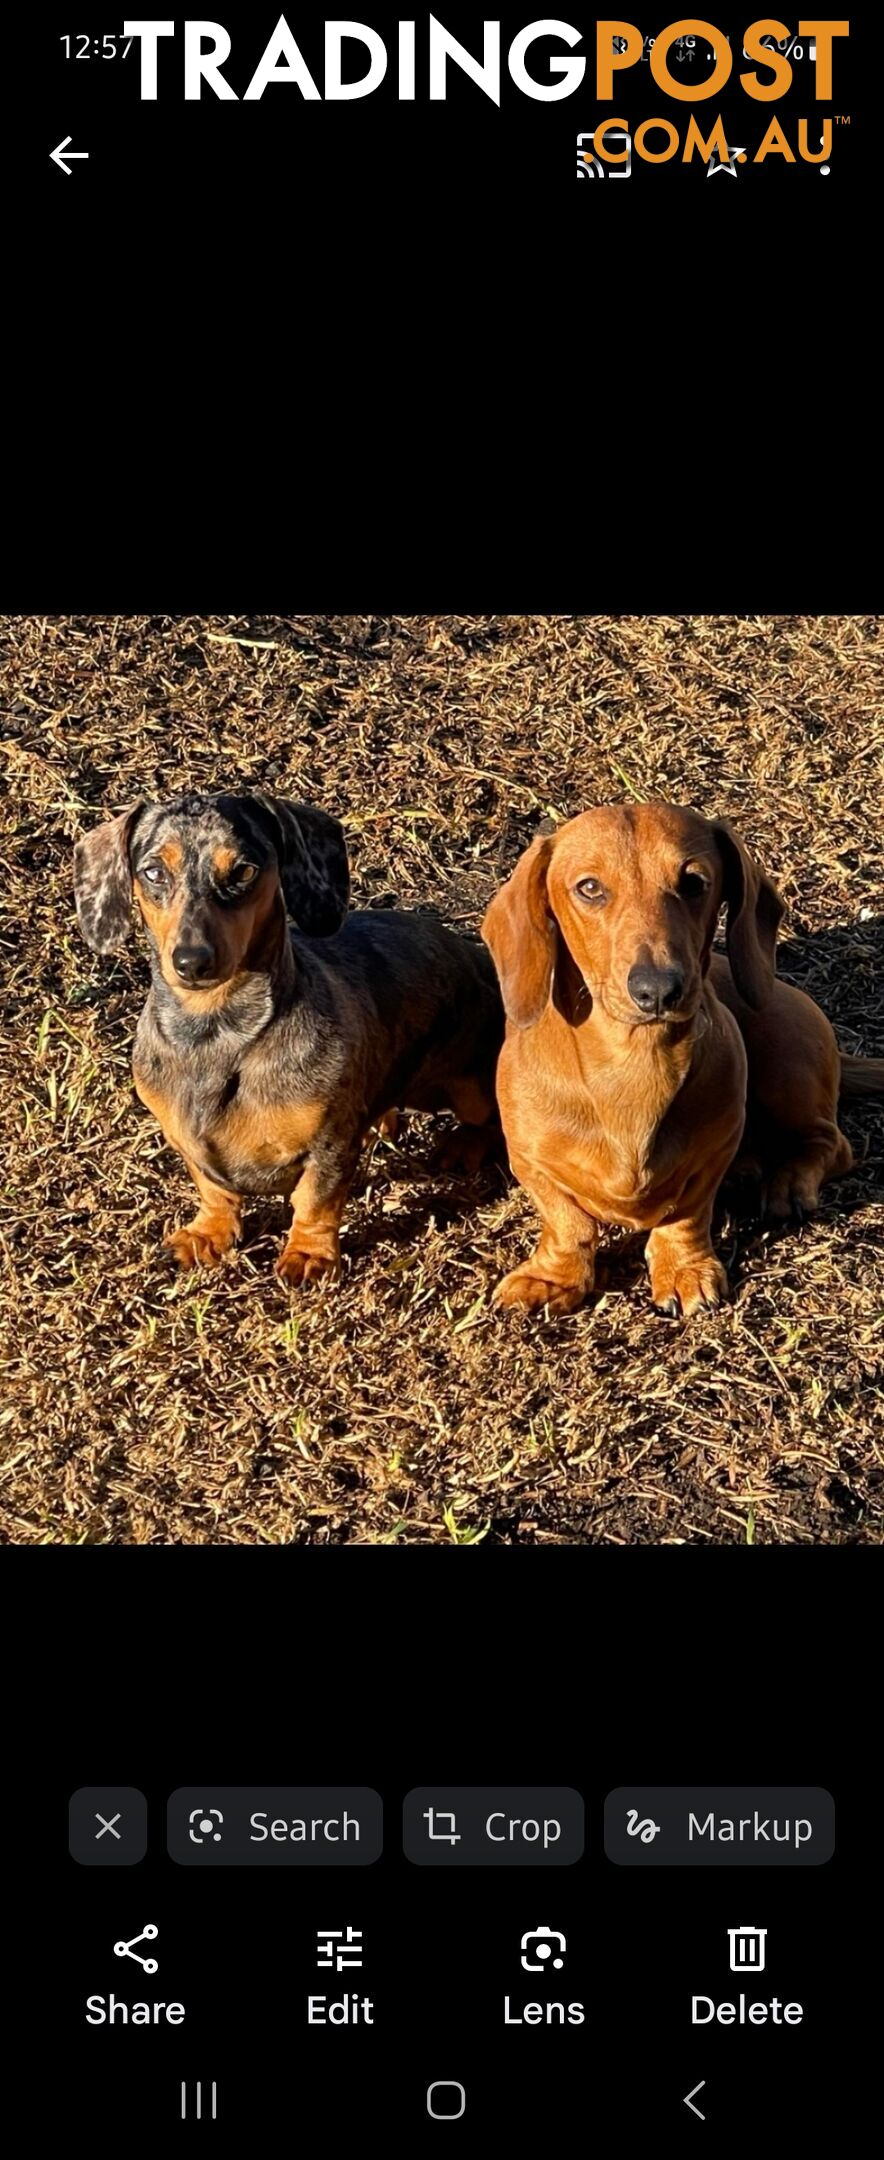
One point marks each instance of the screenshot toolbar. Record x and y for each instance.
(493, 1956)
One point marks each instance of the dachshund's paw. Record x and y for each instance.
(532, 1292)
(793, 1194)
(692, 1289)
(199, 1244)
(294, 1267)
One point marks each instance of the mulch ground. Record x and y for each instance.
(140, 1408)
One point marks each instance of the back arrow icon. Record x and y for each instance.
(58, 159)
(689, 2099)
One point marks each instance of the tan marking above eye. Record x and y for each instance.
(227, 863)
(172, 854)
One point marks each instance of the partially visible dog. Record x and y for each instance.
(267, 1049)
(631, 1048)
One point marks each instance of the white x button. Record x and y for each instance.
(107, 1826)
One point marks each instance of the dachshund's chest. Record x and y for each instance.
(641, 1192)
(628, 1169)
(636, 1176)
(232, 1125)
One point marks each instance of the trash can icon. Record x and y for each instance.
(747, 1949)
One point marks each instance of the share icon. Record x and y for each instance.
(127, 1949)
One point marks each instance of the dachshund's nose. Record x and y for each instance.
(655, 990)
(193, 962)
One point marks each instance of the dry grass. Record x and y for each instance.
(142, 1409)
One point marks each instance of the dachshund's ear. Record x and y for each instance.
(313, 866)
(103, 882)
(754, 914)
(521, 935)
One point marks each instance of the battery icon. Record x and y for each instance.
(747, 1949)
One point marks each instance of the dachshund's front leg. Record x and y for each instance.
(478, 1138)
(685, 1274)
(312, 1247)
(217, 1226)
(561, 1271)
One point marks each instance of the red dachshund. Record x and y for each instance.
(638, 1064)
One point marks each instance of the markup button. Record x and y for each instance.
(719, 1826)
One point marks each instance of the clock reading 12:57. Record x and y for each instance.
(95, 48)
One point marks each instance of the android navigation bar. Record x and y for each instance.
(719, 1826)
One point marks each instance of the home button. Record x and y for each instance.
(446, 2100)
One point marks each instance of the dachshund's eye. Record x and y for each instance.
(154, 873)
(592, 892)
(232, 884)
(693, 883)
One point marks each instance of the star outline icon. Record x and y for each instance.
(728, 164)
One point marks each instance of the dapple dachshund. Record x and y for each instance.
(267, 1048)
(639, 1066)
